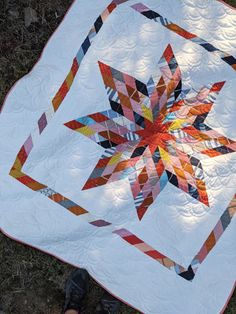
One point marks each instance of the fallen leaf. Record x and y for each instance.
(30, 16)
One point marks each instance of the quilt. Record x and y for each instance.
(118, 151)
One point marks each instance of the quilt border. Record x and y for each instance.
(21, 158)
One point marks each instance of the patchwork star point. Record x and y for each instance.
(154, 133)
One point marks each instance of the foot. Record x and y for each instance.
(76, 289)
(108, 305)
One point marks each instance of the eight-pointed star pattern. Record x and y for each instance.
(154, 133)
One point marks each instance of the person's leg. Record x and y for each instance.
(76, 289)
(108, 305)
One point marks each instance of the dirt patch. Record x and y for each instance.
(30, 281)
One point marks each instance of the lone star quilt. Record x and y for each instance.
(118, 151)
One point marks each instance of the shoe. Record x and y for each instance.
(76, 289)
(108, 305)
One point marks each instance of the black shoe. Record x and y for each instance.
(76, 289)
(108, 305)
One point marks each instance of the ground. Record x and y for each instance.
(30, 281)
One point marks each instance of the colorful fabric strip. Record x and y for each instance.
(186, 273)
(156, 17)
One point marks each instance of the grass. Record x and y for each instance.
(30, 281)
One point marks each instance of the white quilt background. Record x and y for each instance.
(175, 224)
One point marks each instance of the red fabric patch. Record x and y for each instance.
(63, 90)
(177, 29)
(111, 7)
(98, 117)
(75, 67)
(217, 86)
(74, 125)
(132, 239)
(22, 155)
(155, 254)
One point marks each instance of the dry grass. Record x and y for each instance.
(30, 281)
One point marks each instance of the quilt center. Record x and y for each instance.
(154, 133)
